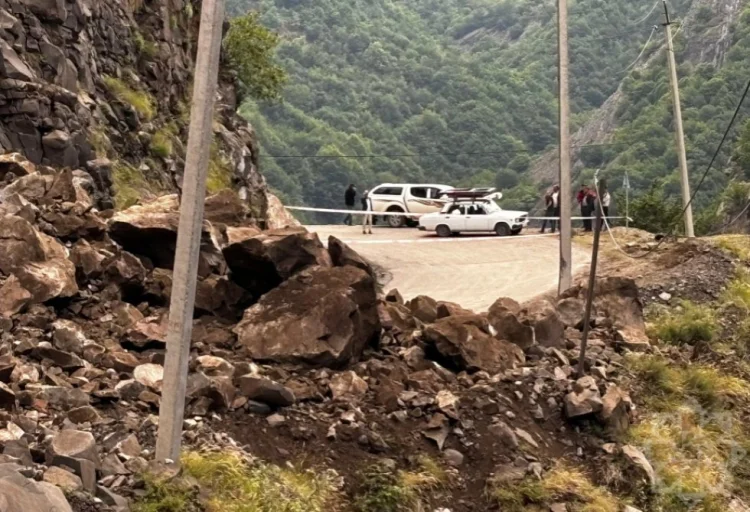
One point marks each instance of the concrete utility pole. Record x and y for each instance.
(566, 252)
(185, 274)
(680, 134)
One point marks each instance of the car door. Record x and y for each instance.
(453, 217)
(477, 218)
(418, 201)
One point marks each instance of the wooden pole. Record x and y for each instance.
(592, 282)
(185, 274)
(564, 200)
(679, 131)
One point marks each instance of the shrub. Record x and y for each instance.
(220, 171)
(384, 489)
(161, 144)
(141, 101)
(250, 49)
(688, 325)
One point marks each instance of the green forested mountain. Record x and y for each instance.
(469, 88)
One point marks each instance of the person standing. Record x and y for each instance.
(349, 199)
(549, 210)
(586, 202)
(366, 218)
(552, 203)
(606, 199)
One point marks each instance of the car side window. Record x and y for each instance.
(479, 210)
(388, 191)
(421, 192)
(433, 193)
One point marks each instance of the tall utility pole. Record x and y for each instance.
(185, 275)
(564, 199)
(680, 134)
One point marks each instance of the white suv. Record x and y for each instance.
(407, 198)
(474, 216)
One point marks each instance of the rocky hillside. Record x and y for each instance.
(309, 390)
(104, 88)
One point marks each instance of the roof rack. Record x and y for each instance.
(470, 193)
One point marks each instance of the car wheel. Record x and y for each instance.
(396, 221)
(502, 230)
(443, 231)
(411, 223)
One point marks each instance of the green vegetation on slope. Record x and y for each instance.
(476, 78)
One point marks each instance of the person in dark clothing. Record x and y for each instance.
(350, 197)
(585, 203)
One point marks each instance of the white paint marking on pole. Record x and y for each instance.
(185, 275)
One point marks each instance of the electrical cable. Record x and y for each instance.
(700, 183)
(645, 46)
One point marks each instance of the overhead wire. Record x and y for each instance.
(697, 188)
(645, 46)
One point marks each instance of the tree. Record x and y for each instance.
(250, 50)
(505, 178)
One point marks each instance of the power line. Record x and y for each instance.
(703, 178)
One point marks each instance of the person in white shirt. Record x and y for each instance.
(552, 202)
(367, 219)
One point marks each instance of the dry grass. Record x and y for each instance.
(220, 171)
(562, 484)
(229, 484)
(737, 245)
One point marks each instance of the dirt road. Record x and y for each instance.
(470, 270)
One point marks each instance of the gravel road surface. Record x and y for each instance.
(470, 270)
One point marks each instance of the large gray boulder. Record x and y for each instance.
(19, 494)
(322, 316)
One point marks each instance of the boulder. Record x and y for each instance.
(64, 480)
(424, 308)
(262, 262)
(213, 366)
(87, 260)
(226, 207)
(150, 375)
(322, 316)
(398, 317)
(503, 316)
(343, 255)
(151, 330)
(464, 343)
(72, 444)
(640, 463)
(615, 413)
(549, 330)
(150, 230)
(16, 164)
(584, 399)
(348, 386)
(68, 336)
(39, 262)
(394, 296)
(13, 297)
(18, 494)
(265, 390)
(571, 311)
(445, 309)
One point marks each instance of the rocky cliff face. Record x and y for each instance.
(104, 88)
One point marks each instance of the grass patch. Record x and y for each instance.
(161, 144)
(386, 490)
(220, 171)
(100, 142)
(689, 324)
(561, 484)
(143, 46)
(737, 245)
(667, 385)
(693, 456)
(130, 185)
(141, 101)
(229, 484)
(738, 291)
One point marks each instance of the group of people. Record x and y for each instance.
(587, 201)
(350, 199)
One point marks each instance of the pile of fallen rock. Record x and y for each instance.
(284, 327)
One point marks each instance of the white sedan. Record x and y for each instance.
(474, 216)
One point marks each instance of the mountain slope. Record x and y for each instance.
(475, 80)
